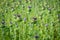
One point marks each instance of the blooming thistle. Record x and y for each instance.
(34, 20)
(11, 22)
(25, 19)
(49, 9)
(29, 8)
(36, 36)
(59, 16)
(46, 25)
(19, 17)
(3, 21)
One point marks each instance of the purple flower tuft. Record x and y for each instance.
(34, 18)
(36, 36)
(24, 19)
(46, 25)
(3, 21)
(29, 7)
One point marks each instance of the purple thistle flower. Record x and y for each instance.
(18, 15)
(11, 22)
(3, 21)
(16, 25)
(34, 18)
(49, 9)
(59, 16)
(29, 7)
(46, 25)
(36, 36)
(24, 19)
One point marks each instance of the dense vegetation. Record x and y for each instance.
(29, 20)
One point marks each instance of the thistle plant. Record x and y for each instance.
(29, 20)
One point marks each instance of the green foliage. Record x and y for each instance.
(29, 20)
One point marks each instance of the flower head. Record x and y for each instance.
(36, 36)
(3, 21)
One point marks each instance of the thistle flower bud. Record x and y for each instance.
(3, 21)
(36, 36)
(34, 18)
(18, 15)
(29, 7)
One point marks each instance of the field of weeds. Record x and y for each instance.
(29, 19)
